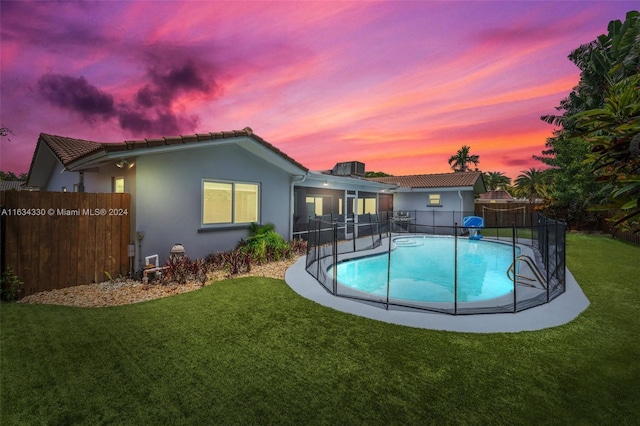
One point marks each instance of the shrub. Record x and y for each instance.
(182, 270)
(298, 246)
(265, 245)
(10, 286)
(234, 261)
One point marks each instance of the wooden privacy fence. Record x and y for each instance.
(53, 240)
(505, 214)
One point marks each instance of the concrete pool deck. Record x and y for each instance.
(561, 310)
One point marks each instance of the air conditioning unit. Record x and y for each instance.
(349, 168)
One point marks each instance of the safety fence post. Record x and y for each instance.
(455, 268)
(515, 267)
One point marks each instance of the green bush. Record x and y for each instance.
(265, 244)
(10, 286)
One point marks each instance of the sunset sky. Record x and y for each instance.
(400, 86)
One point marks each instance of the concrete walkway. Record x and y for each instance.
(563, 309)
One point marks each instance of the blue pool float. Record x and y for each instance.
(473, 223)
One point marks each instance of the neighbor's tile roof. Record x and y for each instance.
(438, 180)
(69, 150)
(8, 185)
(499, 194)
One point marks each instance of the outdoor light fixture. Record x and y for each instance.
(122, 164)
(326, 183)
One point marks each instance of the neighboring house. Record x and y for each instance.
(12, 185)
(495, 196)
(204, 190)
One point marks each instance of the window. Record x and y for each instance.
(229, 202)
(319, 204)
(434, 199)
(246, 203)
(118, 185)
(366, 205)
(314, 205)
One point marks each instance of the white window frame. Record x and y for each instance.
(432, 204)
(114, 184)
(233, 184)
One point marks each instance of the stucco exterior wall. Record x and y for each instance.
(169, 198)
(450, 211)
(99, 180)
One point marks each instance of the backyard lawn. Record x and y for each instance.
(251, 351)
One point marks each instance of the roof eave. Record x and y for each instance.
(88, 161)
(318, 179)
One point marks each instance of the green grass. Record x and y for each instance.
(250, 351)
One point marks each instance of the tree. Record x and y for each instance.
(495, 180)
(12, 176)
(614, 134)
(531, 184)
(578, 184)
(461, 160)
(375, 174)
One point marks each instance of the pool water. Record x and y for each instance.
(422, 269)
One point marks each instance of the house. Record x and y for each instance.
(441, 199)
(343, 194)
(495, 196)
(204, 190)
(200, 190)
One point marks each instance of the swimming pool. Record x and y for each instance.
(422, 269)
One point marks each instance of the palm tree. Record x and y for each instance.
(460, 161)
(495, 180)
(531, 183)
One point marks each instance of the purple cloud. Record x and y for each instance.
(521, 162)
(167, 84)
(148, 113)
(76, 94)
(159, 121)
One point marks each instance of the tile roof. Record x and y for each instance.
(437, 180)
(8, 185)
(499, 194)
(69, 150)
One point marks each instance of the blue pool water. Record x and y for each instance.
(422, 269)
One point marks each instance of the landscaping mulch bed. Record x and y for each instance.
(124, 292)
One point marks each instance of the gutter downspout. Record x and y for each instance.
(461, 206)
(291, 202)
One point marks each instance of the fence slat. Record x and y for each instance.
(58, 263)
(72, 249)
(103, 240)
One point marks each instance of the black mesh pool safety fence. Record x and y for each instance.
(389, 260)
